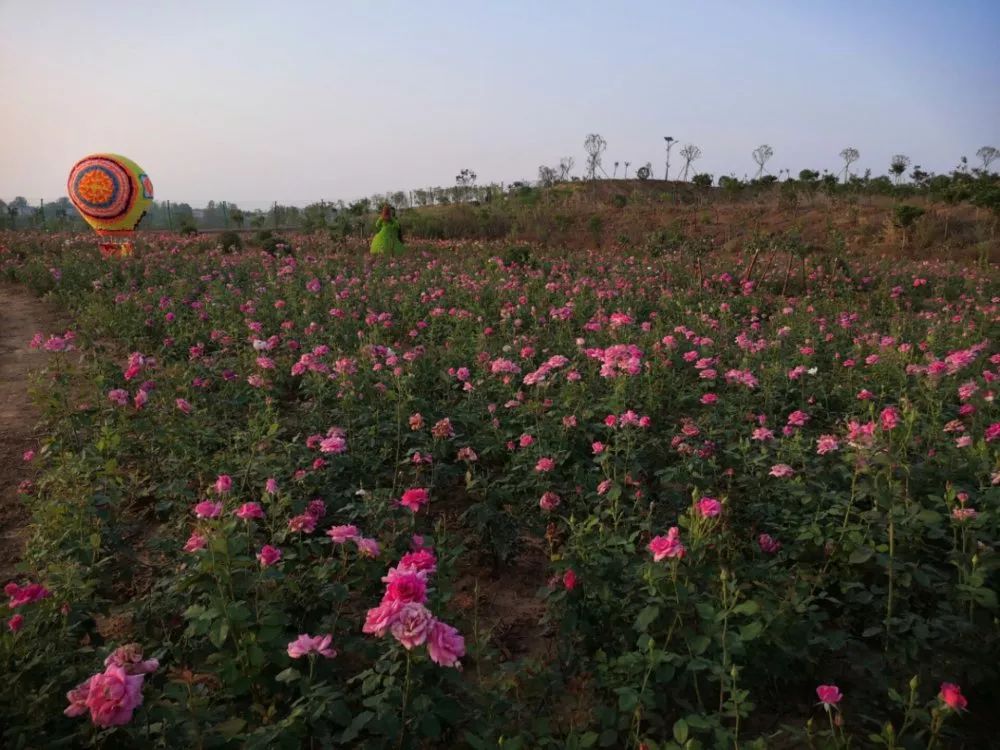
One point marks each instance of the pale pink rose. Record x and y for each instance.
(545, 464)
(412, 625)
(223, 484)
(305, 523)
(414, 498)
(268, 555)
(342, 534)
(781, 471)
(195, 542)
(306, 645)
(113, 696)
(271, 486)
(549, 501)
(367, 547)
(183, 405)
(249, 511)
(118, 396)
(444, 645)
(963, 514)
(129, 658)
(826, 444)
(889, 418)
(597, 447)
(208, 509)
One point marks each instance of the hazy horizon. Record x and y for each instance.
(253, 102)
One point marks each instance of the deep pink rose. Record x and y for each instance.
(952, 696)
(829, 695)
(414, 498)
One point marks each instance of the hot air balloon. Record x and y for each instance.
(112, 194)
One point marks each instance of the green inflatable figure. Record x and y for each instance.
(388, 239)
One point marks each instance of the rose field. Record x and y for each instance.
(494, 496)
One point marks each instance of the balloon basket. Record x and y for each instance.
(116, 249)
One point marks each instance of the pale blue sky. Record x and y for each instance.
(298, 101)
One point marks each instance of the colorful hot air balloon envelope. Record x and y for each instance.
(111, 193)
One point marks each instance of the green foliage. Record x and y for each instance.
(230, 241)
(906, 215)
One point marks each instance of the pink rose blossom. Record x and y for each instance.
(951, 695)
(208, 509)
(367, 547)
(768, 544)
(268, 555)
(113, 696)
(342, 534)
(569, 580)
(27, 594)
(667, 546)
(781, 471)
(129, 658)
(249, 511)
(709, 507)
(549, 501)
(15, 623)
(223, 484)
(415, 498)
(412, 625)
(827, 444)
(305, 522)
(405, 587)
(420, 560)
(195, 542)
(444, 645)
(889, 418)
(379, 619)
(307, 645)
(545, 464)
(829, 695)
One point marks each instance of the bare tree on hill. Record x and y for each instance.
(690, 153)
(566, 165)
(898, 165)
(849, 155)
(988, 154)
(761, 155)
(594, 145)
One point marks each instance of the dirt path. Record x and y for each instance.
(21, 315)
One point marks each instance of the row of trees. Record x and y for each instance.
(595, 145)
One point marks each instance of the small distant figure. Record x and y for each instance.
(388, 239)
